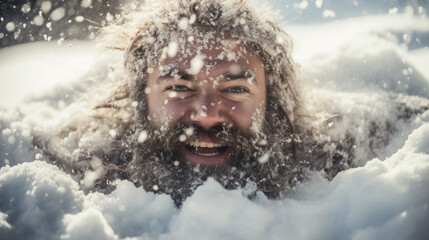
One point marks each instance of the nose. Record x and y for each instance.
(207, 112)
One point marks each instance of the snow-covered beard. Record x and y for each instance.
(158, 166)
(272, 166)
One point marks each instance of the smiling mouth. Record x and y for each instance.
(206, 153)
(207, 149)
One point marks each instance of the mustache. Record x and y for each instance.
(168, 142)
(184, 133)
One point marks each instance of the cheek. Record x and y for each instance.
(169, 112)
(243, 115)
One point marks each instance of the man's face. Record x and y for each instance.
(207, 83)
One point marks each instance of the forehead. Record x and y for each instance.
(208, 49)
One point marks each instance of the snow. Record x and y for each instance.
(58, 14)
(142, 136)
(183, 24)
(370, 56)
(10, 26)
(383, 200)
(301, 5)
(172, 49)
(79, 18)
(318, 3)
(418, 58)
(46, 6)
(196, 64)
(67, 62)
(327, 13)
(26, 8)
(38, 20)
(86, 3)
(350, 67)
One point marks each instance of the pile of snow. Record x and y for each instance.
(383, 200)
(357, 55)
(386, 198)
(52, 63)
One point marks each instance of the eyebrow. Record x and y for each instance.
(182, 75)
(228, 76)
(243, 74)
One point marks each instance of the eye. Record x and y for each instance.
(178, 88)
(237, 90)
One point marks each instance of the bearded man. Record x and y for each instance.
(208, 90)
(216, 94)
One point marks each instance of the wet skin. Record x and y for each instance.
(207, 84)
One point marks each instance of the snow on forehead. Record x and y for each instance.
(199, 49)
(191, 42)
(194, 42)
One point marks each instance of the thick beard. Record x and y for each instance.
(158, 161)
(154, 164)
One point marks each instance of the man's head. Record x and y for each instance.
(206, 82)
(214, 94)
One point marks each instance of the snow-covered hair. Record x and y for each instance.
(143, 33)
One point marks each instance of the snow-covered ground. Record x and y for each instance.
(353, 63)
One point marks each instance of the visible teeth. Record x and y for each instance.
(205, 144)
(208, 154)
